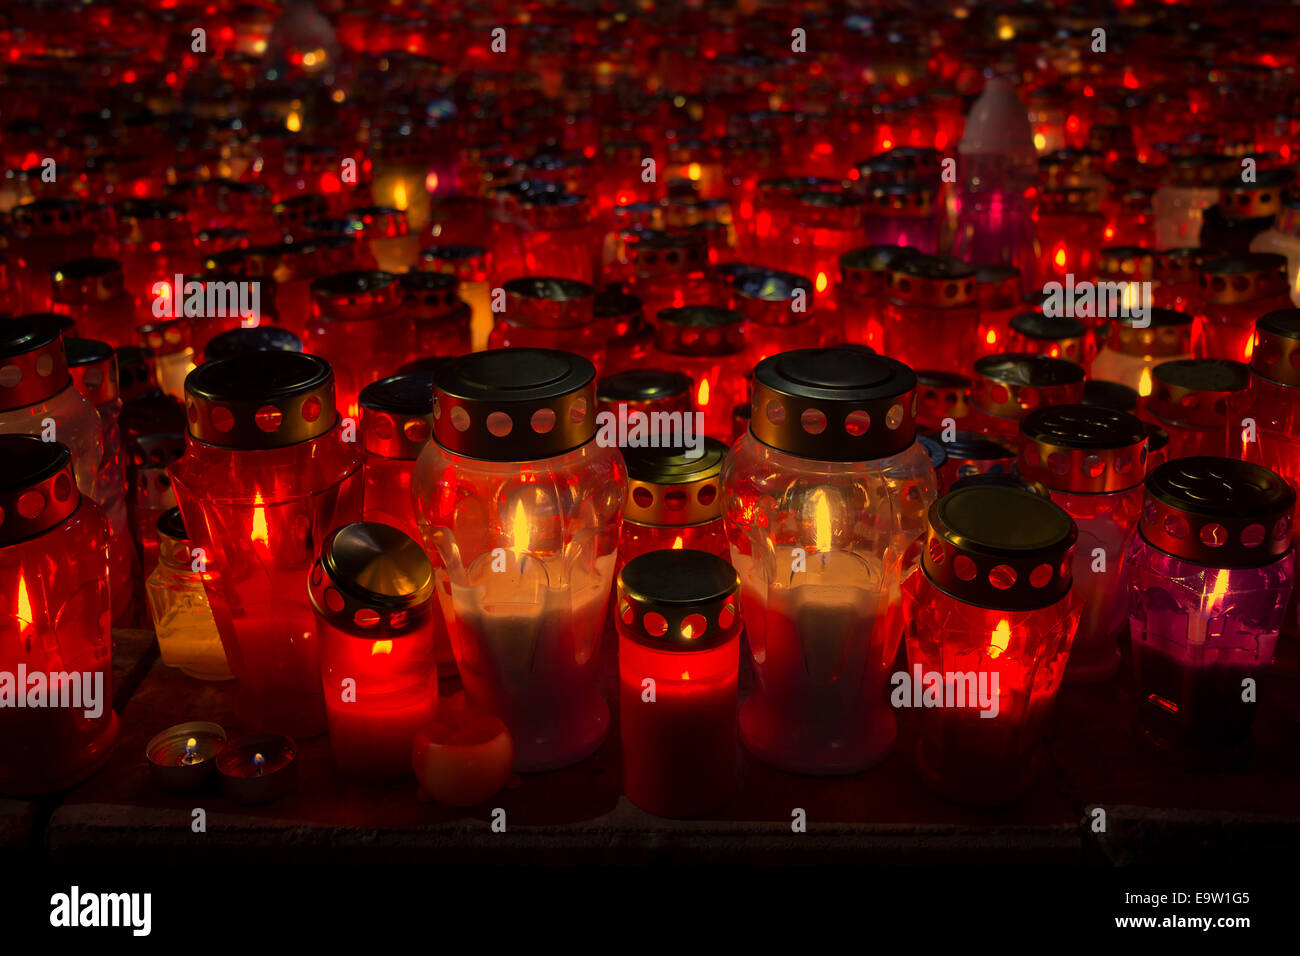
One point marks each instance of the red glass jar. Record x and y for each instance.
(942, 398)
(1128, 354)
(153, 242)
(1190, 399)
(678, 660)
(997, 296)
(389, 244)
(706, 344)
(773, 213)
(971, 454)
(822, 500)
(230, 302)
(1178, 277)
(646, 390)
(91, 292)
(826, 225)
(1009, 386)
(930, 316)
(372, 591)
(548, 233)
(1210, 574)
(440, 320)
(55, 620)
(673, 501)
(1071, 231)
(1245, 210)
(264, 477)
(903, 214)
(1092, 461)
(1235, 291)
(631, 337)
(778, 311)
(47, 232)
(665, 270)
(1053, 336)
(550, 313)
(93, 366)
(470, 266)
(990, 612)
(860, 294)
(519, 507)
(360, 327)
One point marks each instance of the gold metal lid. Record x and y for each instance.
(372, 581)
(911, 200)
(431, 296)
(397, 415)
(1170, 333)
(363, 294)
(1184, 265)
(37, 487)
(380, 222)
(829, 210)
(1083, 448)
(700, 330)
(668, 488)
(33, 359)
(682, 600)
(466, 263)
(643, 388)
(1055, 336)
(941, 395)
(93, 366)
(1069, 199)
(260, 400)
(1260, 199)
(514, 404)
(768, 297)
(1198, 170)
(997, 288)
(863, 272)
(1248, 278)
(1013, 384)
(1276, 355)
(936, 282)
(1193, 393)
(1131, 263)
(652, 253)
(538, 302)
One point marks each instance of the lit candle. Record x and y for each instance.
(258, 768)
(182, 757)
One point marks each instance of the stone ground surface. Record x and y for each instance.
(1154, 811)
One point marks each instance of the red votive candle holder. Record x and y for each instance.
(48, 232)
(706, 343)
(665, 270)
(440, 320)
(942, 398)
(546, 232)
(1071, 232)
(968, 454)
(1092, 461)
(91, 292)
(673, 500)
(55, 600)
(930, 314)
(678, 661)
(1189, 400)
(778, 311)
(997, 295)
(860, 293)
(644, 390)
(551, 313)
(1245, 210)
(372, 591)
(990, 616)
(265, 475)
(1178, 277)
(1009, 386)
(1053, 336)
(1235, 291)
(903, 214)
(631, 337)
(1128, 353)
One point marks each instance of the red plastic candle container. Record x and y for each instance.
(930, 316)
(646, 390)
(990, 612)
(91, 292)
(773, 214)
(778, 311)
(822, 499)
(54, 619)
(153, 243)
(372, 591)
(1053, 336)
(48, 232)
(360, 327)
(631, 337)
(1210, 573)
(706, 343)
(678, 663)
(1071, 230)
(968, 454)
(1178, 277)
(264, 477)
(93, 366)
(903, 214)
(1189, 399)
(1235, 291)
(1009, 386)
(860, 294)
(1245, 210)
(549, 233)
(519, 506)
(997, 295)
(440, 320)
(826, 226)
(673, 501)
(941, 397)
(664, 270)
(550, 313)
(1128, 354)
(1092, 461)
(389, 244)
(469, 264)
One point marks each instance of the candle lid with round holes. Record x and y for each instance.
(37, 487)
(360, 294)
(379, 222)
(397, 415)
(84, 281)
(1083, 448)
(937, 282)
(1012, 384)
(863, 272)
(1194, 392)
(432, 295)
(33, 359)
(653, 252)
(466, 263)
(1184, 265)
(770, 297)
(514, 404)
(94, 369)
(1248, 278)
(681, 600)
(942, 394)
(541, 302)
(372, 581)
(974, 453)
(825, 209)
(998, 546)
(1276, 355)
(1220, 512)
(260, 400)
(913, 199)
(835, 404)
(261, 338)
(669, 488)
(1168, 333)
(997, 287)
(1132, 263)
(700, 330)
(50, 217)
(637, 388)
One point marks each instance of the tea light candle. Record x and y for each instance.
(461, 757)
(259, 768)
(183, 757)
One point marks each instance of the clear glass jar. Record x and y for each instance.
(519, 507)
(822, 500)
(178, 606)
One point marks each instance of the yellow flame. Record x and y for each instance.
(24, 600)
(519, 529)
(678, 543)
(1218, 591)
(992, 337)
(1000, 639)
(1006, 32)
(1131, 296)
(823, 539)
(381, 647)
(259, 534)
(822, 282)
(293, 122)
(1144, 383)
(686, 675)
(1250, 348)
(1040, 142)
(399, 196)
(702, 397)
(1059, 258)
(693, 172)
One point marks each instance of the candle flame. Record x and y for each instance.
(694, 172)
(1059, 258)
(822, 282)
(1250, 348)
(24, 600)
(1000, 639)
(191, 745)
(258, 763)
(1040, 142)
(519, 529)
(702, 396)
(1144, 383)
(678, 543)
(381, 647)
(259, 534)
(992, 337)
(823, 540)
(293, 122)
(1218, 591)
(399, 196)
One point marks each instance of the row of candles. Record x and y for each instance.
(241, 352)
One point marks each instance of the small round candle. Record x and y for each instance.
(258, 768)
(182, 757)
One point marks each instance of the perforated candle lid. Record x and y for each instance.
(466, 263)
(1184, 265)
(774, 297)
(670, 488)
(1221, 512)
(679, 599)
(260, 400)
(1083, 448)
(700, 330)
(838, 404)
(1194, 392)
(37, 487)
(1012, 384)
(514, 404)
(93, 366)
(1113, 395)
(360, 294)
(998, 546)
(372, 581)
(1248, 278)
(83, 281)
(261, 338)
(1131, 263)
(863, 272)
(931, 281)
(997, 287)
(542, 302)
(33, 361)
(430, 296)
(1276, 355)
(644, 386)
(397, 415)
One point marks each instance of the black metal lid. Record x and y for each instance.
(1012, 384)
(997, 546)
(372, 581)
(835, 404)
(1220, 512)
(172, 525)
(644, 385)
(1047, 328)
(261, 338)
(1083, 448)
(1113, 395)
(258, 400)
(682, 600)
(514, 404)
(37, 487)
(1194, 392)
(397, 415)
(357, 294)
(546, 302)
